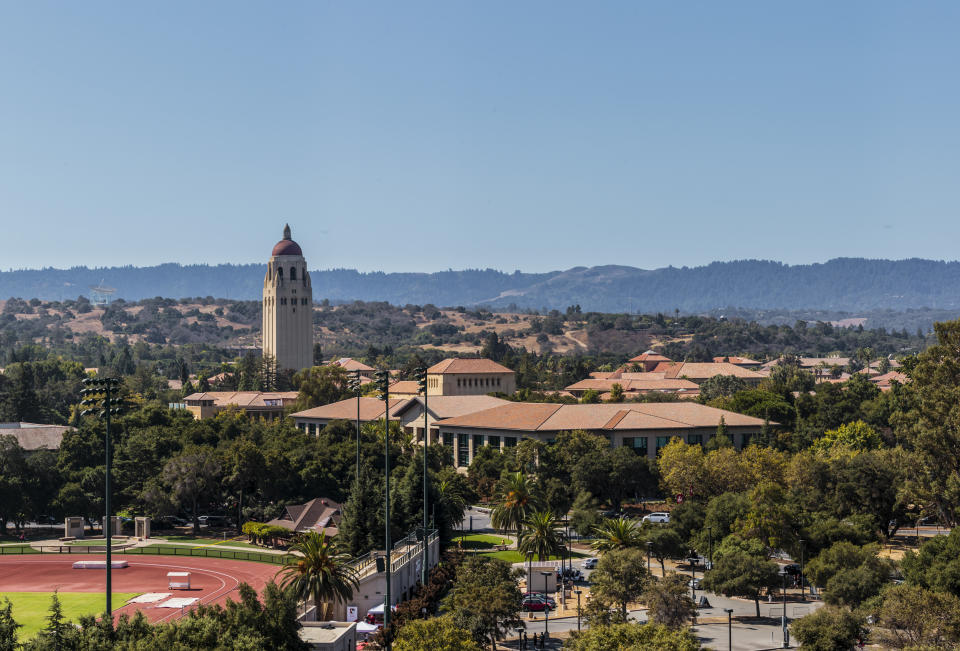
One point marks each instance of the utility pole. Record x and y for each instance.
(383, 382)
(421, 375)
(99, 397)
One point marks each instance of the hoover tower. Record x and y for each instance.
(288, 307)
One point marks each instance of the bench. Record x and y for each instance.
(500, 548)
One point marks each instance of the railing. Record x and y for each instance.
(155, 550)
(405, 549)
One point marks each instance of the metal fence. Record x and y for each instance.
(154, 550)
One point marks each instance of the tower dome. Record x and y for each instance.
(287, 246)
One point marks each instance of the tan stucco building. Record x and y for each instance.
(469, 377)
(288, 307)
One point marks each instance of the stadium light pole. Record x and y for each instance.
(383, 380)
(421, 375)
(355, 387)
(99, 397)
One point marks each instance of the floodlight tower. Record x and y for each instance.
(101, 401)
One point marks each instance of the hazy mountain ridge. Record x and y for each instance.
(847, 284)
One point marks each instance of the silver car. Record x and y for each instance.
(659, 518)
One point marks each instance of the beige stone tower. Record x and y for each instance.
(288, 307)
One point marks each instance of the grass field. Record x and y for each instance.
(31, 609)
(102, 542)
(212, 541)
(479, 542)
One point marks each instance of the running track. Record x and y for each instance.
(213, 580)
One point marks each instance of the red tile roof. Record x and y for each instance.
(650, 356)
(468, 365)
(370, 409)
(526, 416)
(704, 370)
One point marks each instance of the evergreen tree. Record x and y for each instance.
(361, 528)
(8, 627)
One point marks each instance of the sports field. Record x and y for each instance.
(31, 609)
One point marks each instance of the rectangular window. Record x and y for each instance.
(477, 441)
(639, 445)
(448, 439)
(463, 450)
(695, 439)
(662, 442)
(509, 441)
(493, 442)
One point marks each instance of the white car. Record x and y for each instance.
(659, 518)
(590, 564)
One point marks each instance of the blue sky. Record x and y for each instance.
(418, 136)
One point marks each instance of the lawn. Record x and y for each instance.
(102, 542)
(212, 541)
(31, 609)
(479, 542)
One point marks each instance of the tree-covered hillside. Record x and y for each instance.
(845, 284)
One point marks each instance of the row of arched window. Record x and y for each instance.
(293, 275)
(479, 382)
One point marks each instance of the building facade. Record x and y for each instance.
(469, 377)
(288, 307)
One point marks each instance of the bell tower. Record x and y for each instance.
(288, 307)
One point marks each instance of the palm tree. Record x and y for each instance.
(516, 502)
(541, 536)
(321, 573)
(451, 502)
(617, 534)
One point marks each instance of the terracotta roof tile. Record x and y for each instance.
(370, 409)
(468, 365)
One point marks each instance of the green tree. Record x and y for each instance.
(515, 502)
(361, 525)
(321, 385)
(633, 637)
(585, 514)
(851, 436)
(849, 574)
(911, 616)
(8, 627)
(192, 476)
(436, 634)
(936, 565)
(668, 601)
(619, 533)
(616, 393)
(485, 600)
(739, 574)
(540, 536)
(663, 542)
(620, 577)
(320, 573)
(828, 629)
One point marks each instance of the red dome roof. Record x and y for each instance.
(287, 247)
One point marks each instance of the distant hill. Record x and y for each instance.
(845, 284)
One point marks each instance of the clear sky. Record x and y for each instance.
(533, 135)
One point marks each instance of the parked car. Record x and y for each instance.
(536, 604)
(928, 520)
(213, 521)
(572, 574)
(539, 595)
(590, 564)
(694, 583)
(659, 518)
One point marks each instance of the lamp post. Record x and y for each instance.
(802, 595)
(383, 380)
(710, 537)
(693, 579)
(530, 577)
(99, 397)
(421, 375)
(649, 547)
(577, 592)
(783, 616)
(729, 612)
(546, 605)
(355, 387)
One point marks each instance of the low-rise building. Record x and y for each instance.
(635, 384)
(461, 376)
(410, 413)
(329, 636)
(744, 362)
(255, 404)
(643, 427)
(322, 515)
(699, 372)
(369, 409)
(35, 436)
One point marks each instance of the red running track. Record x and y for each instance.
(212, 580)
